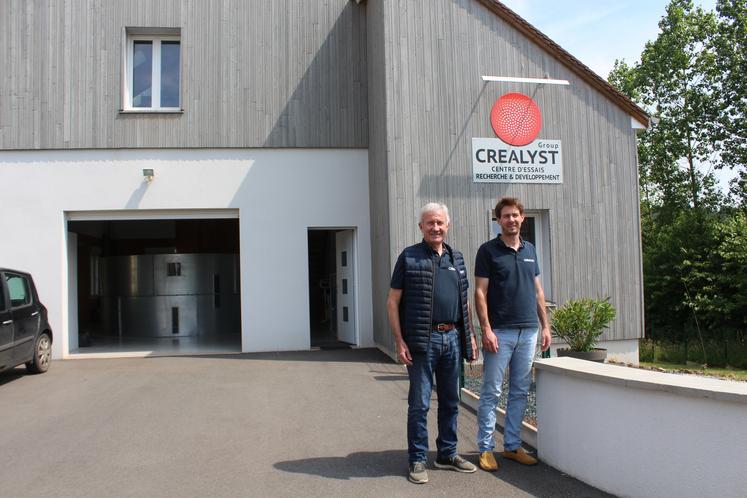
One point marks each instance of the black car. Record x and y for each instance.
(25, 334)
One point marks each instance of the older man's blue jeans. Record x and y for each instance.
(516, 350)
(442, 362)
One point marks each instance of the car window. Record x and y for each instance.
(18, 288)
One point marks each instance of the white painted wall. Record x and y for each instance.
(278, 193)
(632, 432)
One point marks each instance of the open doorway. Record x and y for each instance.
(332, 309)
(161, 286)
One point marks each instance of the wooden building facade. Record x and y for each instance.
(297, 116)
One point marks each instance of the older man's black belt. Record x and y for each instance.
(444, 327)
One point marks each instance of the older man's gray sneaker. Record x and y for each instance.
(456, 463)
(418, 474)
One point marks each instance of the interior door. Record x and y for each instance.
(345, 265)
(6, 328)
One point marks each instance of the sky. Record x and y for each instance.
(597, 32)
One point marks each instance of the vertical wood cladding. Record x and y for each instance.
(378, 175)
(435, 52)
(255, 73)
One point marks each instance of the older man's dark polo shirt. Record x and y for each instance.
(512, 298)
(446, 287)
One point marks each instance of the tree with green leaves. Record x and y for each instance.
(675, 82)
(691, 81)
(729, 46)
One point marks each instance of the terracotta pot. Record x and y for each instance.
(597, 354)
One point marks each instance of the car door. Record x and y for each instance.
(6, 328)
(24, 314)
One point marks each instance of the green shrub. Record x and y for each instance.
(646, 350)
(670, 352)
(738, 355)
(580, 322)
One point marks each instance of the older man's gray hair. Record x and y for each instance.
(435, 207)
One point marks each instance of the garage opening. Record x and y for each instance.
(160, 286)
(332, 309)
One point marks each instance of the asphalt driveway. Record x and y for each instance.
(321, 423)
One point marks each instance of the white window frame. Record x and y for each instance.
(156, 39)
(542, 244)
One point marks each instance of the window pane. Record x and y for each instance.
(19, 290)
(170, 74)
(527, 230)
(142, 74)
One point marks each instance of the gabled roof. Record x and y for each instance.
(579, 68)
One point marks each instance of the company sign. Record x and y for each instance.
(515, 156)
(495, 162)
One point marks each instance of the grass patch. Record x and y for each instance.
(731, 354)
(723, 373)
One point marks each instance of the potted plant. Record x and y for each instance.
(579, 323)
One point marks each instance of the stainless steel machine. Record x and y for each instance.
(171, 295)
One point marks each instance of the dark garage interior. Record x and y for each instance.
(160, 286)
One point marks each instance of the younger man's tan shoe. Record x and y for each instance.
(519, 455)
(487, 461)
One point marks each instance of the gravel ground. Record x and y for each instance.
(473, 382)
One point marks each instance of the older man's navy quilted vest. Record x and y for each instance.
(417, 298)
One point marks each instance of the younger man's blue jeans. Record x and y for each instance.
(516, 350)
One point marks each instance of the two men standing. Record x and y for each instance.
(429, 314)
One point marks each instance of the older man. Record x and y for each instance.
(430, 318)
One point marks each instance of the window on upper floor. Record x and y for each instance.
(152, 70)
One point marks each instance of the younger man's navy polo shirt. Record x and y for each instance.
(512, 298)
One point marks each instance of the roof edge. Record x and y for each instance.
(575, 65)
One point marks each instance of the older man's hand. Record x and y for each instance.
(403, 353)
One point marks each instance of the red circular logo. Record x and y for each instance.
(516, 119)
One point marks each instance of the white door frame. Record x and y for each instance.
(151, 214)
(356, 274)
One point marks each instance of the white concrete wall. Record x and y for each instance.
(278, 193)
(633, 432)
(622, 351)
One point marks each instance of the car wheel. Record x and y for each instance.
(42, 354)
